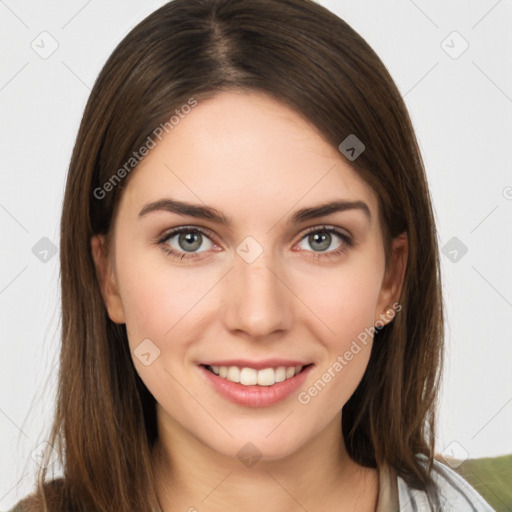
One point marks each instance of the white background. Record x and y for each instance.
(461, 109)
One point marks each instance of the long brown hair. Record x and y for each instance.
(303, 55)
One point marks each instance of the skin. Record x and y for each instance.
(256, 161)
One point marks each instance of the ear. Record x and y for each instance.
(393, 281)
(107, 279)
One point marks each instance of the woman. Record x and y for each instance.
(213, 358)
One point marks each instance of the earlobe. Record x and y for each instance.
(106, 278)
(393, 281)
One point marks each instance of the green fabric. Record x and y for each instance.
(492, 478)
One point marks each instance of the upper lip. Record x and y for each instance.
(257, 365)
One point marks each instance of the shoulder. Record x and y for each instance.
(455, 494)
(25, 505)
(34, 502)
(30, 503)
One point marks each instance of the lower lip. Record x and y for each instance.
(256, 396)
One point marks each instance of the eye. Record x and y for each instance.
(184, 242)
(321, 240)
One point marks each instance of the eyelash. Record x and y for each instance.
(347, 242)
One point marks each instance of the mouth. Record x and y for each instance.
(264, 386)
(247, 376)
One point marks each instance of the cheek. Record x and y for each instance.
(345, 299)
(157, 297)
(161, 304)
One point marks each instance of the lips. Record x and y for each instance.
(255, 384)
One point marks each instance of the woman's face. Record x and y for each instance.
(271, 287)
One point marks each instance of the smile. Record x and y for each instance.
(250, 376)
(271, 382)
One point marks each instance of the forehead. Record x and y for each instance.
(246, 153)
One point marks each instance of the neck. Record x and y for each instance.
(190, 475)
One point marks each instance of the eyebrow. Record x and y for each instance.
(209, 213)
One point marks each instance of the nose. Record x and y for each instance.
(256, 298)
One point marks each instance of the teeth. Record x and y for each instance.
(233, 374)
(266, 377)
(250, 376)
(280, 374)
